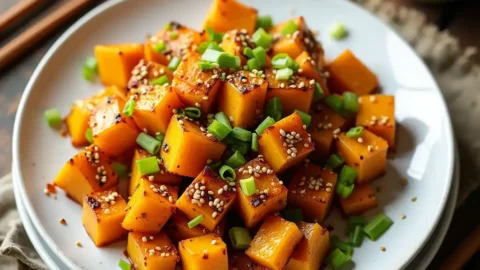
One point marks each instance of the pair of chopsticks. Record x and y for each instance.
(37, 32)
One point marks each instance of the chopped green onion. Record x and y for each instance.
(283, 60)
(261, 55)
(160, 80)
(223, 77)
(377, 226)
(148, 165)
(236, 160)
(253, 64)
(289, 28)
(214, 36)
(334, 161)
(337, 259)
(355, 132)
(129, 107)
(223, 59)
(218, 129)
(292, 214)
(273, 108)
(350, 102)
(89, 135)
(260, 73)
(347, 175)
(90, 69)
(54, 119)
(254, 142)
(356, 221)
(262, 38)
(335, 103)
(356, 236)
(239, 237)
(248, 186)
(264, 125)
(306, 118)
(196, 221)
(174, 63)
(173, 35)
(204, 65)
(120, 169)
(241, 147)
(202, 47)
(344, 190)
(338, 31)
(159, 137)
(223, 118)
(150, 144)
(227, 173)
(124, 265)
(192, 112)
(214, 164)
(238, 62)
(248, 53)
(168, 26)
(318, 93)
(160, 46)
(241, 134)
(264, 22)
(283, 74)
(345, 247)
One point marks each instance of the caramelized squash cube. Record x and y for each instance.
(274, 242)
(242, 98)
(86, 172)
(312, 189)
(377, 114)
(308, 66)
(183, 138)
(150, 207)
(286, 143)
(207, 195)
(206, 252)
(116, 62)
(151, 252)
(324, 124)
(367, 154)
(146, 71)
(311, 250)
(225, 15)
(240, 260)
(162, 177)
(360, 200)
(235, 41)
(348, 73)
(178, 229)
(102, 215)
(270, 198)
(107, 122)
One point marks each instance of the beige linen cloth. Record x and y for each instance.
(452, 66)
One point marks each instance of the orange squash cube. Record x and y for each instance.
(240, 260)
(312, 189)
(206, 252)
(270, 198)
(308, 66)
(162, 177)
(183, 138)
(178, 229)
(154, 106)
(311, 250)
(296, 93)
(367, 154)
(242, 98)
(146, 71)
(324, 123)
(86, 172)
(207, 195)
(102, 215)
(150, 207)
(360, 200)
(151, 252)
(274, 242)
(348, 73)
(107, 122)
(195, 87)
(286, 143)
(225, 15)
(377, 114)
(116, 62)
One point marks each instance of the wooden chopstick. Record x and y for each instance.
(18, 12)
(463, 252)
(39, 30)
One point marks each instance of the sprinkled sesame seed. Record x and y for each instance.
(402, 216)
(383, 249)
(414, 199)
(78, 243)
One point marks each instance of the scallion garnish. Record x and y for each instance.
(129, 108)
(356, 235)
(350, 102)
(248, 186)
(202, 47)
(159, 137)
(254, 144)
(173, 35)
(90, 68)
(54, 119)
(375, 228)
(289, 28)
(318, 93)
(204, 65)
(223, 59)
(264, 22)
(124, 265)
(253, 64)
(264, 125)
(239, 237)
(148, 165)
(344, 190)
(174, 63)
(147, 142)
(335, 103)
(241, 134)
(306, 118)
(261, 55)
(355, 132)
(214, 36)
(192, 112)
(227, 173)
(338, 31)
(160, 46)
(218, 129)
(89, 135)
(236, 160)
(356, 221)
(283, 74)
(160, 80)
(248, 53)
(334, 161)
(262, 38)
(273, 108)
(223, 118)
(196, 221)
(345, 247)
(283, 60)
(120, 169)
(337, 259)
(347, 175)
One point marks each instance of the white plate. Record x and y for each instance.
(424, 156)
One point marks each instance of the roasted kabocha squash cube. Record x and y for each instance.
(150, 207)
(377, 114)
(271, 194)
(154, 106)
(310, 252)
(235, 41)
(360, 200)
(172, 41)
(242, 98)
(367, 154)
(207, 195)
(294, 94)
(348, 73)
(178, 229)
(151, 252)
(86, 172)
(195, 87)
(274, 242)
(116, 62)
(240, 261)
(308, 66)
(206, 252)
(107, 122)
(225, 15)
(102, 215)
(146, 71)
(162, 177)
(311, 190)
(183, 138)
(325, 125)
(286, 143)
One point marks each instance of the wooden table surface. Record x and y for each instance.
(460, 17)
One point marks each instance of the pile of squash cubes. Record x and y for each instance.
(158, 211)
